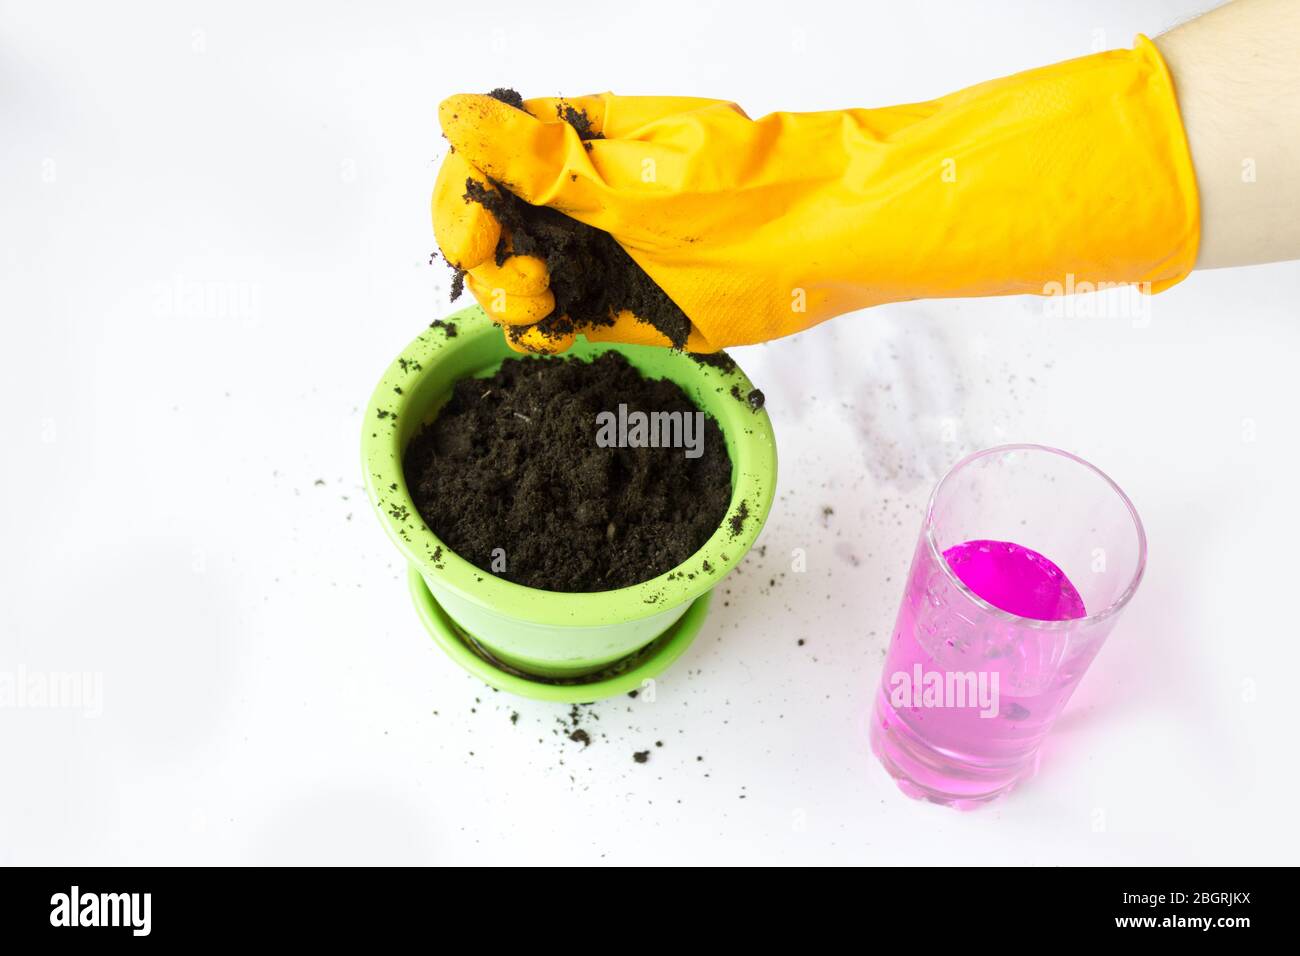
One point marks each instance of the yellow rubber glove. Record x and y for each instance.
(1072, 173)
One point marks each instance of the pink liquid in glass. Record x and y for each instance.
(968, 695)
(1017, 580)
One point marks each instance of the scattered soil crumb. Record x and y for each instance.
(719, 360)
(737, 521)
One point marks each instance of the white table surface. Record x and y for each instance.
(213, 238)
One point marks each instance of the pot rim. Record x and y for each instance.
(384, 433)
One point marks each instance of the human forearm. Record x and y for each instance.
(1237, 72)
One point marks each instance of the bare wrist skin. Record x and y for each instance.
(1237, 72)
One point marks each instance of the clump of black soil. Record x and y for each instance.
(754, 398)
(512, 463)
(508, 96)
(720, 360)
(737, 521)
(592, 277)
(579, 120)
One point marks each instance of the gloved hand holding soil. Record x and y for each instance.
(682, 222)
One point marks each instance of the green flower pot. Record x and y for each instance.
(560, 638)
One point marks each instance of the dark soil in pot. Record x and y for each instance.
(511, 475)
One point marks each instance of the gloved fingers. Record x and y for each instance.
(630, 330)
(588, 111)
(627, 330)
(466, 232)
(506, 308)
(532, 340)
(603, 182)
(518, 275)
(697, 343)
(537, 160)
(616, 117)
(625, 115)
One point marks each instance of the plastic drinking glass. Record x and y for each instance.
(970, 690)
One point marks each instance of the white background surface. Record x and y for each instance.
(214, 236)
